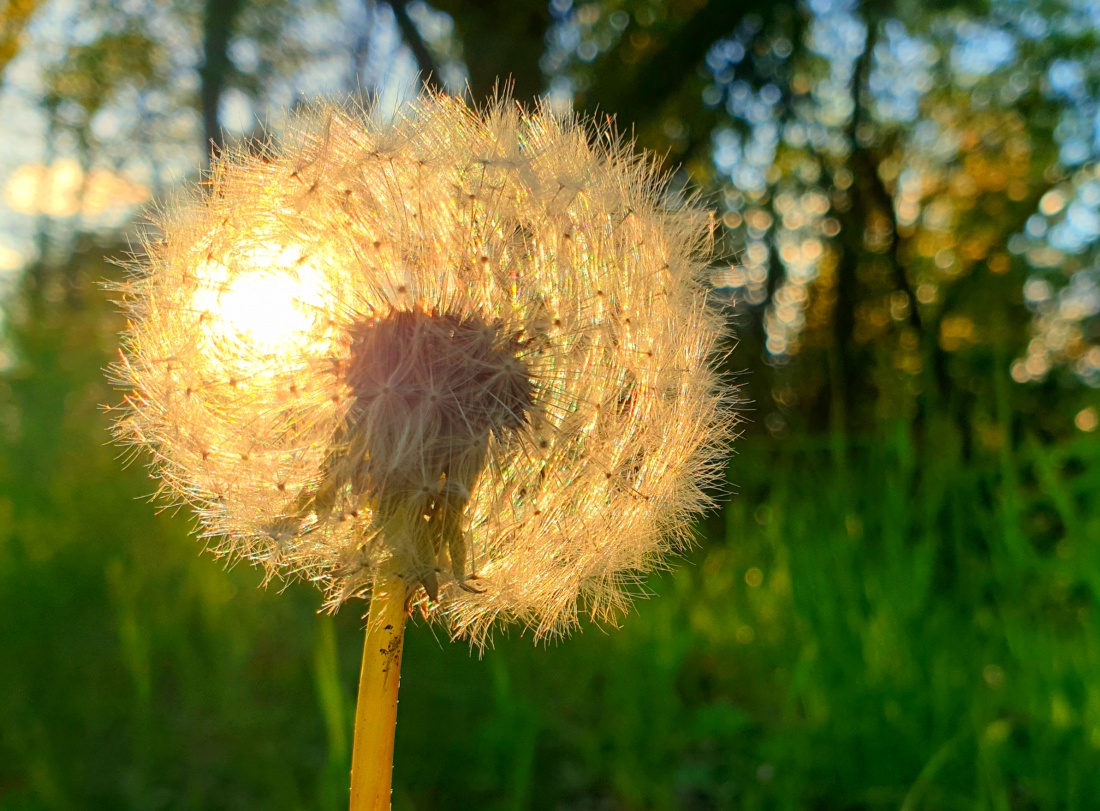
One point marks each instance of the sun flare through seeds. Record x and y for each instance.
(470, 350)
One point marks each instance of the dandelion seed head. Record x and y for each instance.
(468, 348)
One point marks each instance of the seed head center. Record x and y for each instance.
(454, 380)
(428, 391)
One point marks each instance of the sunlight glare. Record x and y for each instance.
(268, 299)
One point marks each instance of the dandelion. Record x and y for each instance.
(456, 361)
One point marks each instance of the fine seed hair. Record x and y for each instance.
(469, 348)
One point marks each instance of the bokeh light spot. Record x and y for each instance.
(1087, 420)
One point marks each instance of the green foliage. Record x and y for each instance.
(127, 682)
(906, 619)
(878, 623)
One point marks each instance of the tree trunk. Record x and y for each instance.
(219, 18)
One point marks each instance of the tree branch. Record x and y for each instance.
(411, 35)
(640, 95)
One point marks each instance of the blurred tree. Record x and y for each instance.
(889, 178)
(218, 22)
(14, 16)
(877, 162)
(502, 40)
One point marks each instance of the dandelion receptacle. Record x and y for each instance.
(458, 361)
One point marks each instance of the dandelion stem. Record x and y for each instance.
(376, 711)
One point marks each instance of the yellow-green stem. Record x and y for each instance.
(376, 711)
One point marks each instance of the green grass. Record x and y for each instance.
(888, 627)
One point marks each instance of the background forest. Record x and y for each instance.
(898, 607)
